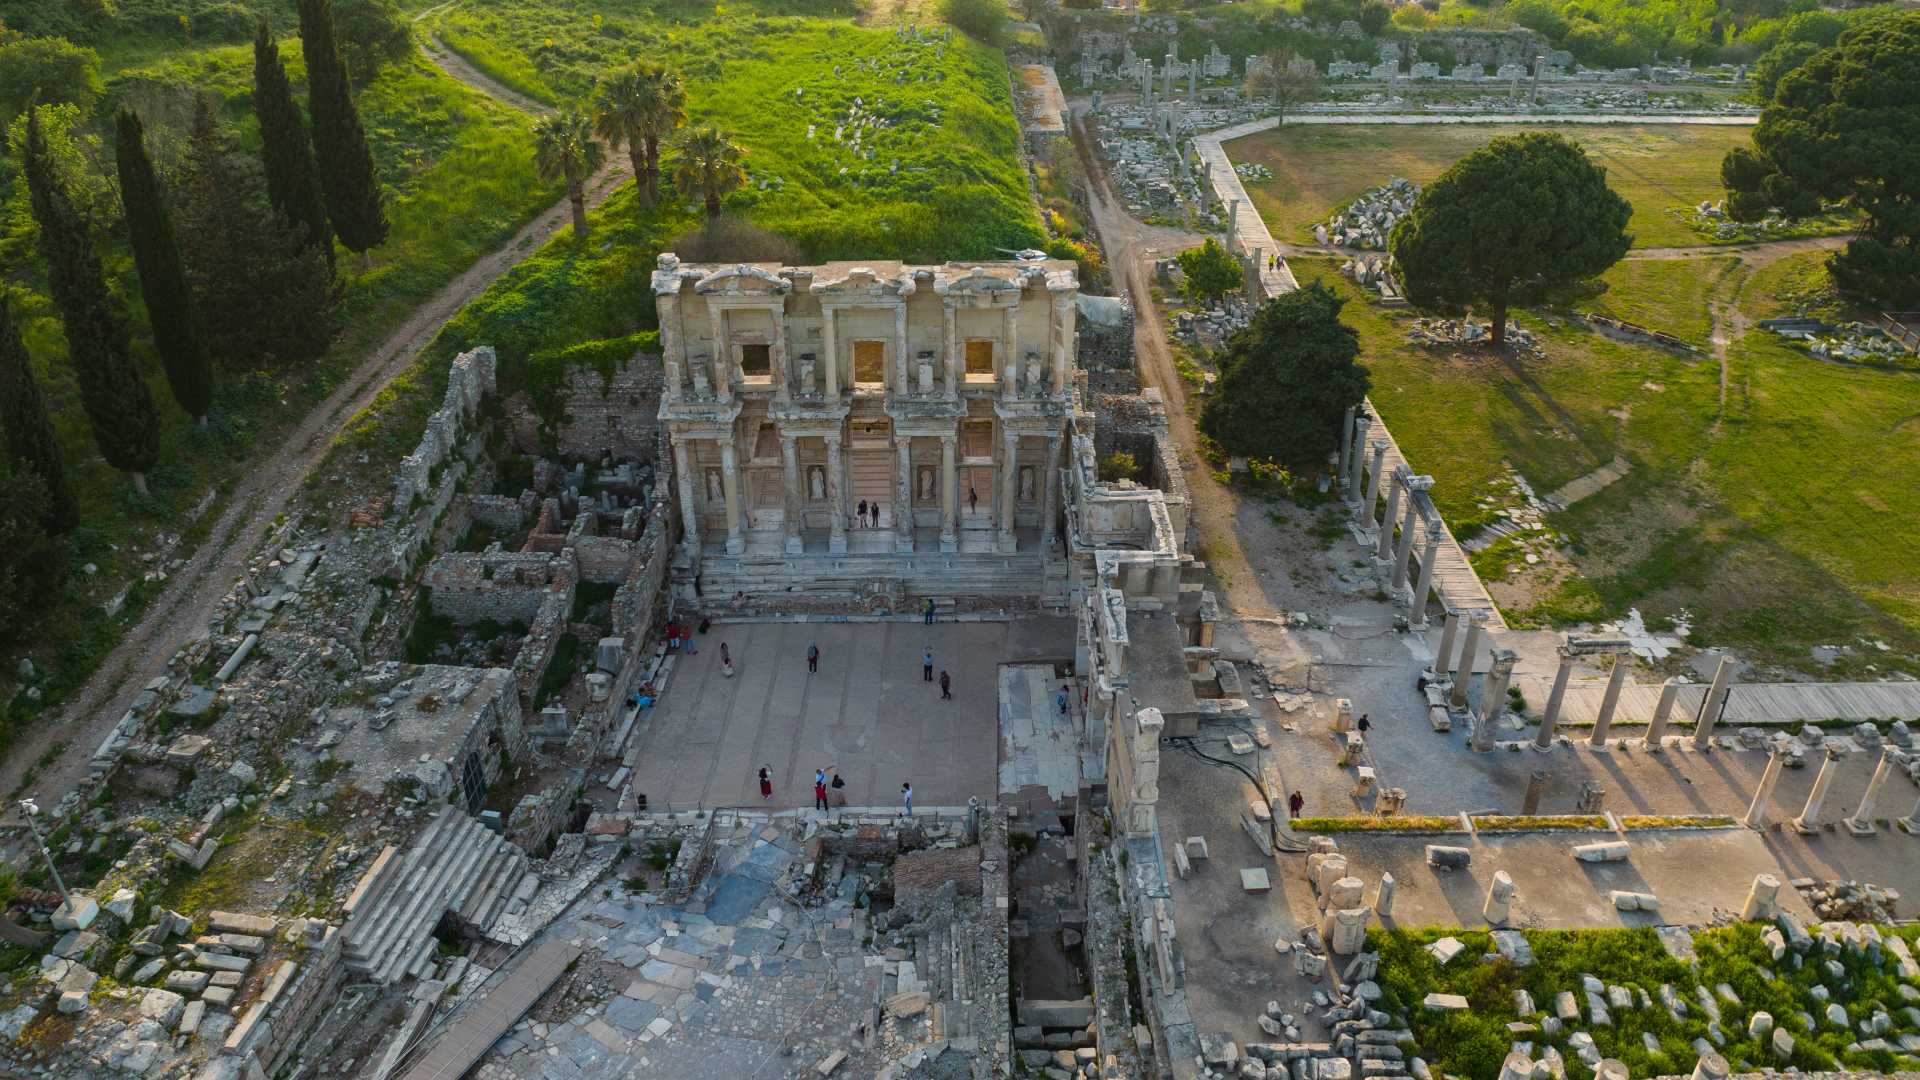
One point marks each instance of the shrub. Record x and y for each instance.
(983, 20)
(1119, 465)
(47, 71)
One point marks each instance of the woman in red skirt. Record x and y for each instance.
(766, 781)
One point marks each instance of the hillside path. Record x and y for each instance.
(51, 759)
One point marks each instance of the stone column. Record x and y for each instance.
(903, 493)
(1544, 740)
(1009, 489)
(830, 352)
(1499, 906)
(1493, 697)
(790, 459)
(777, 365)
(836, 498)
(1712, 705)
(900, 354)
(1429, 564)
(1383, 904)
(1385, 539)
(1757, 812)
(1761, 897)
(1443, 656)
(1465, 670)
(1346, 449)
(1657, 730)
(730, 484)
(1711, 1066)
(1616, 682)
(1861, 823)
(1233, 221)
(1048, 481)
(1912, 821)
(953, 358)
(1010, 339)
(1809, 818)
(1356, 457)
(949, 492)
(1062, 342)
(722, 352)
(689, 513)
(1403, 555)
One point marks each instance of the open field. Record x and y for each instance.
(1316, 168)
(934, 173)
(1764, 521)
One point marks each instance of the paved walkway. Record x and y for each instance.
(867, 711)
(494, 1012)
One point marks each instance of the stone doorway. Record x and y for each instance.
(870, 363)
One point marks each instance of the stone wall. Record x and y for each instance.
(288, 1007)
(637, 597)
(536, 652)
(504, 586)
(501, 513)
(470, 379)
(543, 815)
(618, 414)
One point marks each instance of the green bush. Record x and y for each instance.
(982, 20)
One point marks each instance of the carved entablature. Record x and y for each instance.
(865, 283)
(979, 285)
(743, 279)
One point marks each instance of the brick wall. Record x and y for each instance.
(505, 586)
(619, 415)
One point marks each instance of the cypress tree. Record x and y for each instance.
(293, 184)
(265, 294)
(126, 427)
(178, 332)
(30, 439)
(339, 142)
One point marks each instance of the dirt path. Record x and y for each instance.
(68, 738)
(1758, 254)
(1131, 247)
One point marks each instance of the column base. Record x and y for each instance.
(1602, 747)
(1909, 826)
(794, 545)
(1363, 534)
(1653, 746)
(1860, 828)
(736, 545)
(1800, 826)
(837, 543)
(903, 542)
(949, 543)
(1006, 543)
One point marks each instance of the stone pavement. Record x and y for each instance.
(867, 710)
(737, 982)
(1039, 747)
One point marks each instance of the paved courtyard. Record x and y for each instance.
(867, 711)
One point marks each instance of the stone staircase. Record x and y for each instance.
(902, 578)
(946, 964)
(456, 866)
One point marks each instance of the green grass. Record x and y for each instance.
(1669, 295)
(1473, 1042)
(459, 177)
(1757, 523)
(941, 179)
(1316, 168)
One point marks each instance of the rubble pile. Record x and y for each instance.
(1367, 221)
(1441, 333)
(1856, 341)
(1855, 901)
(1249, 170)
(1365, 1040)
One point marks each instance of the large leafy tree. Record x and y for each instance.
(46, 71)
(178, 333)
(372, 34)
(1287, 380)
(639, 106)
(30, 439)
(126, 426)
(265, 292)
(293, 181)
(707, 166)
(1211, 271)
(1845, 125)
(565, 149)
(1285, 79)
(1509, 223)
(354, 203)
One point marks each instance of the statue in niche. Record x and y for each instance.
(716, 488)
(816, 482)
(1033, 373)
(1026, 483)
(807, 385)
(926, 484)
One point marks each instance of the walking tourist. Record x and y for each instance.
(1296, 802)
(906, 793)
(926, 664)
(766, 782)
(813, 657)
(946, 686)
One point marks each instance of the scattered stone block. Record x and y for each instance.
(1444, 950)
(1447, 857)
(1609, 851)
(76, 913)
(73, 1002)
(187, 982)
(163, 1007)
(1445, 1003)
(1197, 847)
(217, 997)
(1782, 1044)
(830, 1062)
(231, 922)
(1253, 879)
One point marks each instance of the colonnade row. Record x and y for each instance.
(1859, 823)
(1392, 561)
(1003, 504)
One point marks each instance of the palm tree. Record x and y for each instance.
(639, 106)
(564, 148)
(708, 165)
